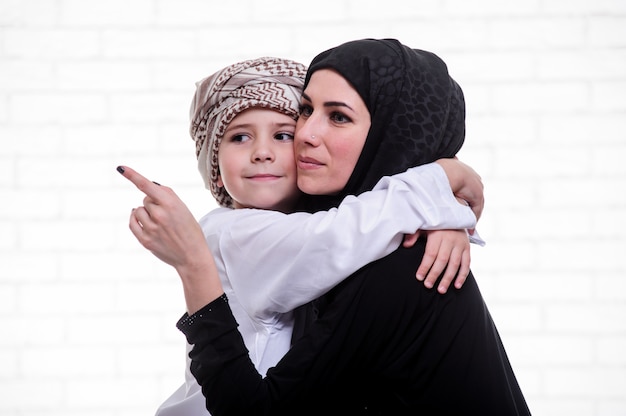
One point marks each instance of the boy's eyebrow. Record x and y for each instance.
(285, 124)
(329, 103)
(248, 125)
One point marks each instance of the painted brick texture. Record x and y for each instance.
(87, 315)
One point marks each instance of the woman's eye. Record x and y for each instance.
(339, 117)
(283, 136)
(305, 110)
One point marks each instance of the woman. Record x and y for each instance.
(379, 342)
(243, 119)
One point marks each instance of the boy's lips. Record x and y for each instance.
(263, 177)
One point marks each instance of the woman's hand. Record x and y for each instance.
(445, 249)
(165, 226)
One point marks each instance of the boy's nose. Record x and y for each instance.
(262, 154)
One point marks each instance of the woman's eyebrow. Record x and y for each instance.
(329, 103)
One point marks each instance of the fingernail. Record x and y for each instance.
(156, 183)
(120, 169)
(419, 277)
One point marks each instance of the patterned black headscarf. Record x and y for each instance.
(417, 109)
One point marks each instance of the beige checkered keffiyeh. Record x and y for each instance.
(271, 83)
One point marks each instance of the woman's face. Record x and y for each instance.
(330, 133)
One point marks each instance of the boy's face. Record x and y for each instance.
(256, 160)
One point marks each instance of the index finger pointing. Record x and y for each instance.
(145, 185)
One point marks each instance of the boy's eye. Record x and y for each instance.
(240, 138)
(283, 136)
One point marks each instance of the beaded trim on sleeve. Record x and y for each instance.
(189, 320)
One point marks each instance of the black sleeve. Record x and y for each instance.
(220, 360)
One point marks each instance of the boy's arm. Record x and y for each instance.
(277, 262)
(447, 257)
(465, 183)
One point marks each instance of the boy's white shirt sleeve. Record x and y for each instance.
(276, 262)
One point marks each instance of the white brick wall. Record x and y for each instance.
(87, 316)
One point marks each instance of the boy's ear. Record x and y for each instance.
(220, 182)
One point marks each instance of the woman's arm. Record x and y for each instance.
(360, 327)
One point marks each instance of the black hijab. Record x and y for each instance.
(417, 113)
(417, 110)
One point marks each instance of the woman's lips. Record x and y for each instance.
(308, 163)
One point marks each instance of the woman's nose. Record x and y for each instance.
(305, 134)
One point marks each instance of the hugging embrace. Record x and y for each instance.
(338, 184)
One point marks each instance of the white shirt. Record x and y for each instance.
(269, 262)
